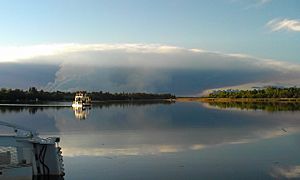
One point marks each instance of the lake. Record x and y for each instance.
(182, 140)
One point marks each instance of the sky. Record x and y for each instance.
(232, 26)
(64, 32)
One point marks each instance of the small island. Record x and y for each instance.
(267, 94)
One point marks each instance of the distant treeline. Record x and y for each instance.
(269, 92)
(33, 94)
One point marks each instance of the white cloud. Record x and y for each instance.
(100, 53)
(284, 24)
(148, 67)
(21, 53)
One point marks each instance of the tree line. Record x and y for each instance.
(269, 92)
(33, 95)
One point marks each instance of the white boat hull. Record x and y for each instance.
(75, 105)
(80, 105)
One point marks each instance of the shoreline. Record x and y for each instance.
(69, 103)
(135, 100)
(178, 99)
(35, 105)
(207, 100)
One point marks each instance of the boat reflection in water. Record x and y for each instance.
(81, 113)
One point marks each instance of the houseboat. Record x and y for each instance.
(81, 100)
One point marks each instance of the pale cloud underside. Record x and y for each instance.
(148, 67)
(284, 24)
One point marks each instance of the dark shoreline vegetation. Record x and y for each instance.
(269, 92)
(34, 95)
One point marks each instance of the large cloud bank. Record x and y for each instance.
(149, 67)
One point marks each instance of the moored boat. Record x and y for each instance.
(81, 99)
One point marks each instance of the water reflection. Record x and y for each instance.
(170, 141)
(30, 109)
(286, 172)
(81, 113)
(265, 106)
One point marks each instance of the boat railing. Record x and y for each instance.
(27, 150)
(19, 130)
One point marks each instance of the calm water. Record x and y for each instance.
(171, 141)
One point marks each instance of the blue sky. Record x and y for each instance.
(228, 26)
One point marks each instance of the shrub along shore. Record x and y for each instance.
(270, 92)
(35, 95)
